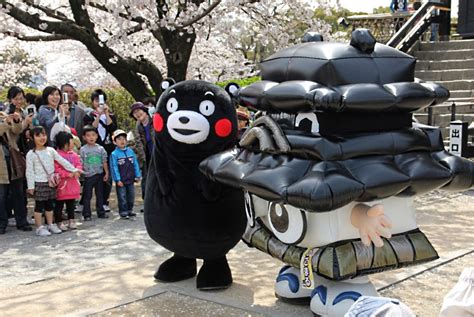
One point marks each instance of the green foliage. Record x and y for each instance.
(381, 10)
(119, 101)
(331, 17)
(3, 93)
(241, 82)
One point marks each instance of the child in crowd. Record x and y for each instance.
(96, 172)
(39, 168)
(69, 188)
(125, 171)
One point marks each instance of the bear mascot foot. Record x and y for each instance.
(214, 275)
(176, 269)
(288, 287)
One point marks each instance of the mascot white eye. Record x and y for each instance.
(288, 224)
(207, 107)
(172, 105)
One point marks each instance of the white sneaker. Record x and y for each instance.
(30, 221)
(62, 226)
(72, 225)
(79, 208)
(42, 231)
(11, 222)
(106, 208)
(54, 228)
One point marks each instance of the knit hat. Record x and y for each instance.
(118, 133)
(136, 106)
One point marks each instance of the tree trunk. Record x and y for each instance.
(177, 46)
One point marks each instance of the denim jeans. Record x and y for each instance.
(126, 198)
(12, 196)
(96, 183)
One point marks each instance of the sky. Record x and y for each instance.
(369, 5)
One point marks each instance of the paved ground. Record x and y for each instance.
(106, 268)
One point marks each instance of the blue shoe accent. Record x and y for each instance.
(292, 279)
(283, 269)
(346, 295)
(322, 292)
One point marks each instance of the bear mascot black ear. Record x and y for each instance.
(166, 83)
(232, 89)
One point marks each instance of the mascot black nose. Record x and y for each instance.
(184, 120)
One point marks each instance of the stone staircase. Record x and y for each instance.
(450, 64)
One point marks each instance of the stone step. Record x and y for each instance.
(462, 108)
(421, 117)
(444, 120)
(458, 84)
(444, 64)
(438, 75)
(449, 45)
(461, 93)
(445, 55)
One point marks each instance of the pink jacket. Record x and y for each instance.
(69, 187)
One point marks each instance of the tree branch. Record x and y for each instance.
(103, 8)
(49, 12)
(67, 28)
(200, 16)
(81, 16)
(36, 38)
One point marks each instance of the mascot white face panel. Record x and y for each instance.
(188, 127)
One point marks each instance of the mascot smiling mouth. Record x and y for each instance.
(188, 127)
(186, 131)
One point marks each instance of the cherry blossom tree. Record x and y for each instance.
(138, 41)
(17, 67)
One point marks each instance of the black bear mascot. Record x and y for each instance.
(184, 211)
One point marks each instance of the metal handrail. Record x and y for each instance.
(419, 22)
(451, 104)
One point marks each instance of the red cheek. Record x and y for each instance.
(223, 128)
(158, 122)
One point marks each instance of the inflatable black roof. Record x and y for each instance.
(322, 76)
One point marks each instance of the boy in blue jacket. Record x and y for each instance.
(125, 171)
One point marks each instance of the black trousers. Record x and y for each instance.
(96, 183)
(12, 196)
(58, 209)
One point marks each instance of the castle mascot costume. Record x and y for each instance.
(185, 212)
(330, 169)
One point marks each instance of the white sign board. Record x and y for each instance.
(455, 138)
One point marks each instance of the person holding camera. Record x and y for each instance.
(106, 123)
(77, 112)
(12, 170)
(53, 111)
(17, 102)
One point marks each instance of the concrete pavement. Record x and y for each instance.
(106, 268)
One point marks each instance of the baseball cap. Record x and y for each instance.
(118, 133)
